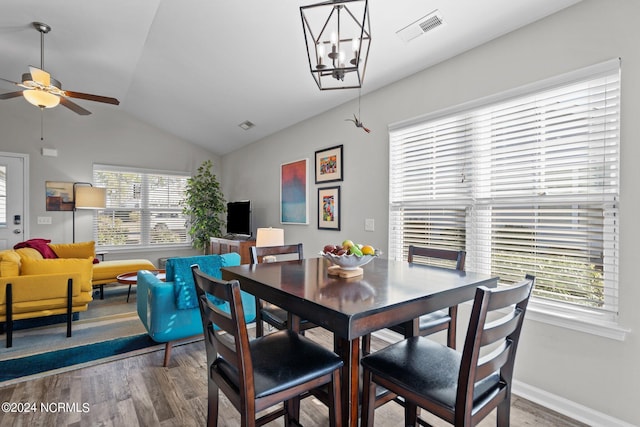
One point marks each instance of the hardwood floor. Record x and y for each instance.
(138, 391)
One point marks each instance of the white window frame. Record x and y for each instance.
(145, 210)
(478, 245)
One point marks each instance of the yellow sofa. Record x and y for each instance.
(32, 286)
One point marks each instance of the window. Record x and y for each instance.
(526, 182)
(144, 208)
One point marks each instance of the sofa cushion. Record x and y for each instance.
(108, 270)
(178, 271)
(9, 263)
(84, 266)
(74, 250)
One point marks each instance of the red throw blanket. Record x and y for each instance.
(41, 245)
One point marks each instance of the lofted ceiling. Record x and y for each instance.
(197, 68)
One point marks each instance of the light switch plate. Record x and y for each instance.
(44, 220)
(369, 224)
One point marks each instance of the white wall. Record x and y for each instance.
(108, 136)
(599, 373)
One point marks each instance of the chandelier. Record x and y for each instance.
(337, 34)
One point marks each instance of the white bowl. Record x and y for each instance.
(348, 262)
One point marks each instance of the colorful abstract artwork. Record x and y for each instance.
(328, 165)
(294, 207)
(329, 208)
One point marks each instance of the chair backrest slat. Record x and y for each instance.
(426, 254)
(499, 337)
(500, 328)
(256, 253)
(491, 363)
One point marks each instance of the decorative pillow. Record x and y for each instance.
(178, 270)
(9, 263)
(28, 253)
(84, 266)
(74, 250)
(41, 245)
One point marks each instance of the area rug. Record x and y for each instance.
(111, 325)
(30, 365)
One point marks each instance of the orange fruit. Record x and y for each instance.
(368, 250)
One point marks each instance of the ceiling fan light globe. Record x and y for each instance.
(40, 98)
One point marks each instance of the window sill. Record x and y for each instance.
(607, 329)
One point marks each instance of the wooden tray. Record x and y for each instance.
(336, 270)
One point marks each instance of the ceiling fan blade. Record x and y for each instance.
(40, 76)
(10, 81)
(74, 107)
(10, 95)
(90, 97)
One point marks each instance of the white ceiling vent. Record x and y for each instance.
(421, 26)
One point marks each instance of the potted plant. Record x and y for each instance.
(204, 205)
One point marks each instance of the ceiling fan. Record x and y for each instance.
(42, 90)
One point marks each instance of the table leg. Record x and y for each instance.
(349, 351)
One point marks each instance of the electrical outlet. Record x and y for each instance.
(369, 224)
(44, 220)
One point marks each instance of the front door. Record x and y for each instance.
(13, 168)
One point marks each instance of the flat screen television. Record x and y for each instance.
(239, 217)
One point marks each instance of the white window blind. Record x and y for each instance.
(526, 183)
(144, 208)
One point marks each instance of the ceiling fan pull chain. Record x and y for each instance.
(41, 124)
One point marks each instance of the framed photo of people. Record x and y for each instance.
(328, 165)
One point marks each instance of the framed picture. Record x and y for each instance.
(329, 164)
(294, 186)
(59, 195)
(329, 208)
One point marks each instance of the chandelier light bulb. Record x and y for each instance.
(320, 54)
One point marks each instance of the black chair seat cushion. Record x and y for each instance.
(276, 316)
(427, 369)
(428, 321)
(282, 360)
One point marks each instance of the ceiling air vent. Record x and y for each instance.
(421, 26)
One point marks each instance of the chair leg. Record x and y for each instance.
(259, 325)
(212, 406)
(368, 399)
(410, 413)
(167, 353)
(69, 306)
(335, 401)
(503, 413)
(9, 314)
(451, 333)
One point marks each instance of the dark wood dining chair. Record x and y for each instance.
(442, 320)
(257, 375)
(270, 313)
(461, 388)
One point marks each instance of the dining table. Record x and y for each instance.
(387, 293)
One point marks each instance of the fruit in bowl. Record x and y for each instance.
(349, 255)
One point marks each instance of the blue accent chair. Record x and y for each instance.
(169, 309)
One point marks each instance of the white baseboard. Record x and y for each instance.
(548, 400)
(566, 407)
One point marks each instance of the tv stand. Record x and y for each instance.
(219, 245)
